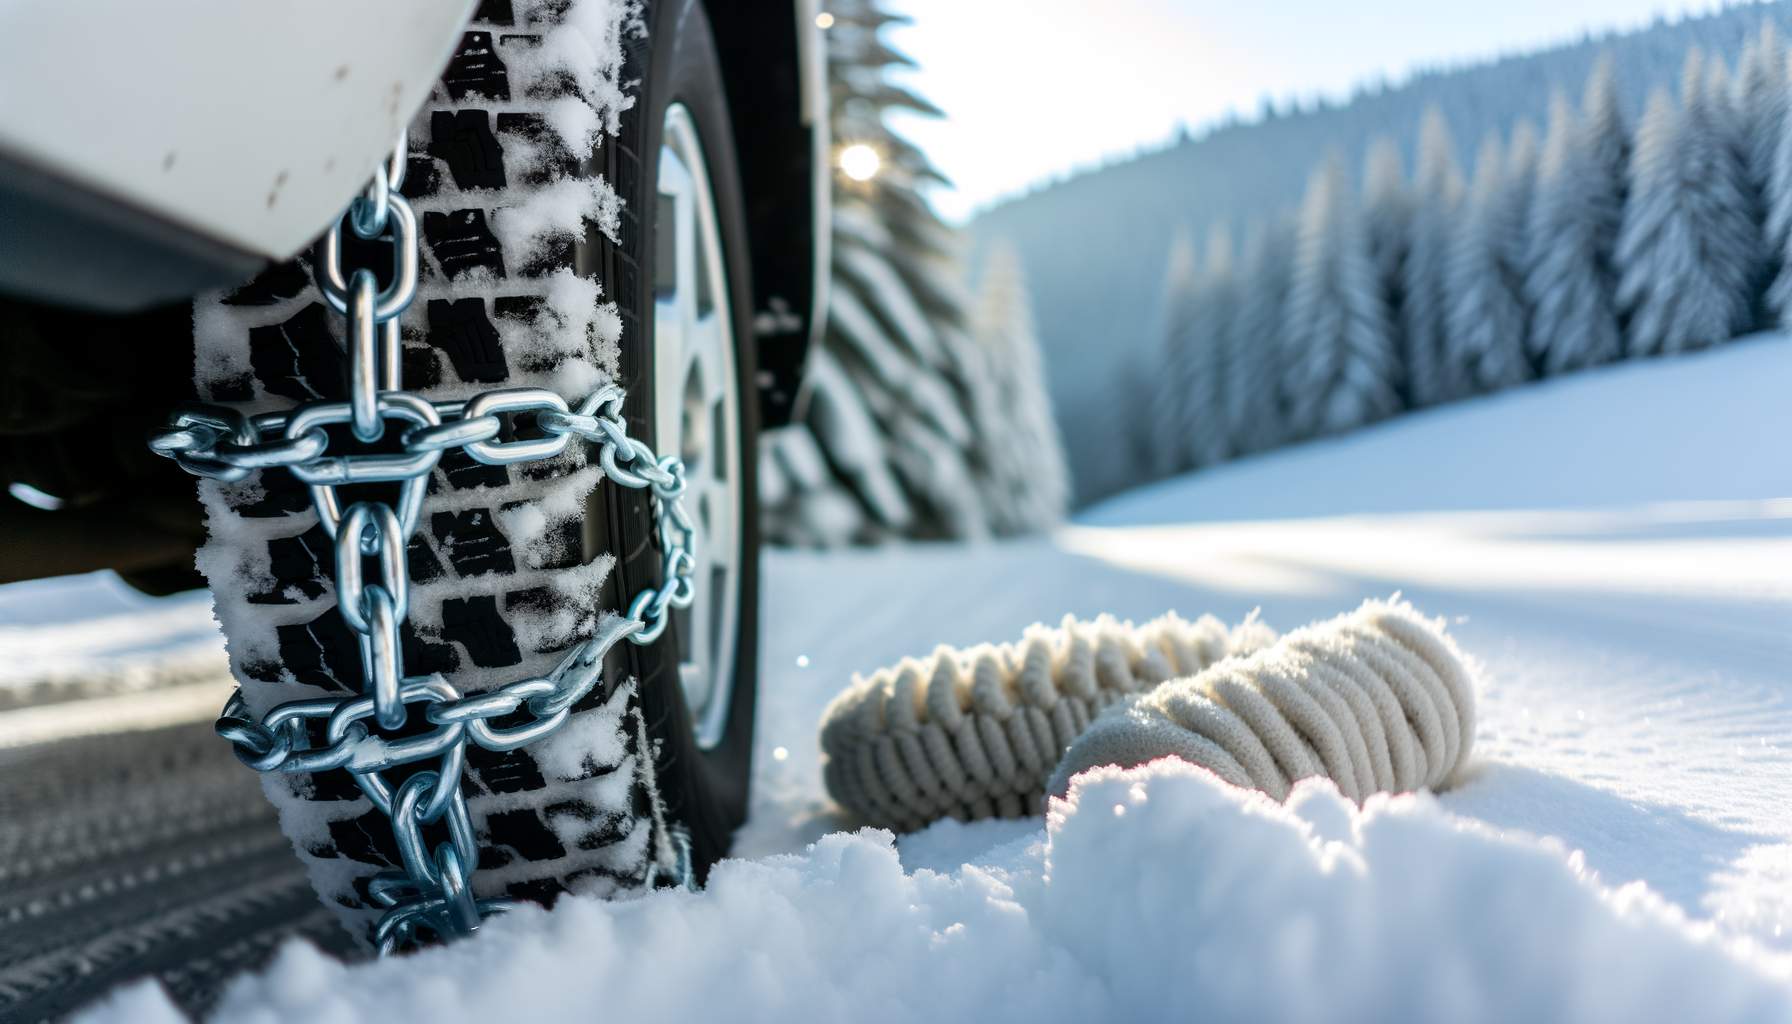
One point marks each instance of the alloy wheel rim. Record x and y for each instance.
(697, 413)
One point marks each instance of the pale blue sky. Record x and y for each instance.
(1035, 88)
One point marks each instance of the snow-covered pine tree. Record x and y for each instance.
(1521, 185)
(1761, 104)
(1026, 483)
(1255, 416)
(1485, 320)
(847, 494)
(1387, 224)
(1685, 254)
(1779, 223)
(1128, 442)
(1188, 423)
(1212, 341)
(1608, 137)
(1170, 450)
(1723, 104)
(1723, 109)
(1342, 366)
(1429, 378)
(894, 387)
(1570, 286)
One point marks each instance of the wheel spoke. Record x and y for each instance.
(707, 338)
(699, 646)
(718, 527)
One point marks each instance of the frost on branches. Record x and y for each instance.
(1573, 229)
(1761, 94)
(1200, 332)
(1430, 377)
(1342, 365)
(1255, 418)
(1485, 313)
(1387, 223)
(1687, 252)
(1025, 480)
(911, 406)
(1170, 392)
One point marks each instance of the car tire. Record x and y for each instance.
(514, 565)
(704, 784)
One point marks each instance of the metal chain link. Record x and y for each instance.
(432, 894)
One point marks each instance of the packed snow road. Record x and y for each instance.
(139, 853)
(1611, 547)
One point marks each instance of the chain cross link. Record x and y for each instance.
(432, 894)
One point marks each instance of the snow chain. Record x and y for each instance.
(433, 893)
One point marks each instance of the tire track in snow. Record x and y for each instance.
(134, 855)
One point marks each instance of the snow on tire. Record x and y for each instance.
(501, 585)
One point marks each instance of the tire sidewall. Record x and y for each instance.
(705, 790)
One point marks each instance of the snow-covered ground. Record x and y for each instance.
(1616, 550)
(80, 638)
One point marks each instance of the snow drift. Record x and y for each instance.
(1151, 892)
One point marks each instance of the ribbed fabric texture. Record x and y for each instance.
(977, 733)
(1379, 700)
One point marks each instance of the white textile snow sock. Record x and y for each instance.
(976, 733)
(1379, 700)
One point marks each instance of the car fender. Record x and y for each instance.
(195, 140)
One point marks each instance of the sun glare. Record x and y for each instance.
(860, 162)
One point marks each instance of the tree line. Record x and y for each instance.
(1593, 241)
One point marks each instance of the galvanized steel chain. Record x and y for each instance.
(433, 892)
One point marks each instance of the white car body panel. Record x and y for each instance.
(248, 122)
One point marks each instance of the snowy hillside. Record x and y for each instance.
(1634, 434)
(1097, 300)
(1614, 548)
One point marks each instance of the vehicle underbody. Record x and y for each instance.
(78, 394)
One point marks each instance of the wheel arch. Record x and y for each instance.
(773, 65)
